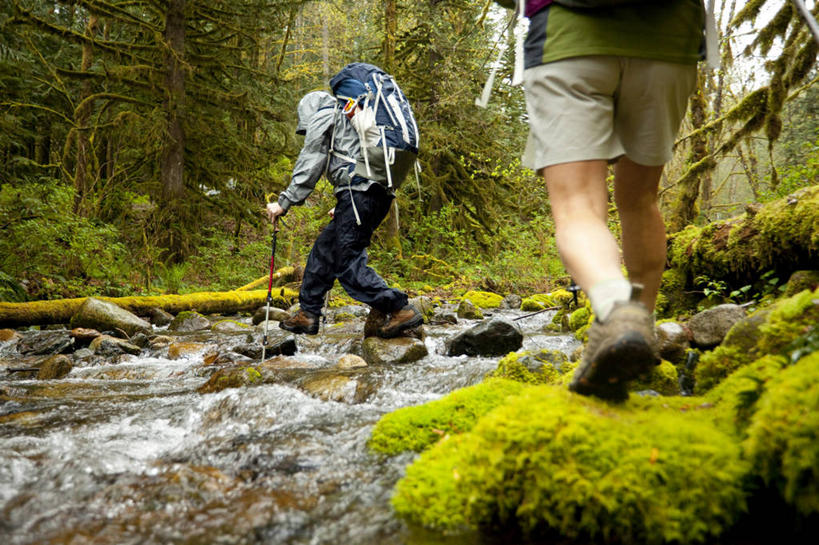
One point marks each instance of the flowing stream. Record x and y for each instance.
(129, 452)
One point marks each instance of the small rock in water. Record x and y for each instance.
(55, 367)
(40, 343)
(496, 337)
(350, 361)
(378, 351)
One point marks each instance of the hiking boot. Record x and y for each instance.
(620, 349)
(399, 321)
(301, 322)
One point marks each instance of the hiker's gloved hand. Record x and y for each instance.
(332, 213)
(274, 210)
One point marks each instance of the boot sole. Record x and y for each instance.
(624, 360)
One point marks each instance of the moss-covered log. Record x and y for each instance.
(61, 311)
(782, 235)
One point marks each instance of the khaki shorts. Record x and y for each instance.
(602, 107)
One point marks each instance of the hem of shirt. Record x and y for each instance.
(675, 59)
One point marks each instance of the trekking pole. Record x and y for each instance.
(269, 290)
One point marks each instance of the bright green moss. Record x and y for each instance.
(579, 318)
(344, 317)
(548, 460)
(416, 428)
(663, 379)
(536, 302)
(768, 331)
(736, 397)
(543, 367)
(484, 299)
(783, 437)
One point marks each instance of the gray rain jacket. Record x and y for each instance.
(318, 122)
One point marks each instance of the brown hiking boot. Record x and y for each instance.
(399, 321)
(301, 322)
(620, 349)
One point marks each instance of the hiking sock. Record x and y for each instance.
(605, 293)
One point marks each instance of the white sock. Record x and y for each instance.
(605, 293)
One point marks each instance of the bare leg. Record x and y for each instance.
(579, 201)
(644, 239)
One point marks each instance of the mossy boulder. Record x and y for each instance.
(580, 318)
(468, 311)
(662, 379)
(541, 367)
(189, 321)
(783, 437)
(484, 299)
(769, 331)
(536, 302)
(801, 281)
(674, 299)
(547, 461)
(416, 428)
(230, 326)
(234, 377)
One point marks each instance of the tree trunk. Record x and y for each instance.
(393, 225)
(685, 209)
(82, 115)
(172, 163)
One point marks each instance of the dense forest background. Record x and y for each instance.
(140, 140)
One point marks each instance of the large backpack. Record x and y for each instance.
(388, 158)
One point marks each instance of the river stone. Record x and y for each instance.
(377, 351)
(188, 322)
(276, 315)
(445, 316)
(512, 301)
(83, 336)
(350, 361)
(160, 341)
(230, 326)
(40, 343)
(181, 349)
(277, 345)
(331, 388)
(495, 337)
(102, 315)
(8, 335)
(468, 311)
(674, 341)
(708, 328)
(159, 317)
(55, 367)
(800, 281)
(108, 346)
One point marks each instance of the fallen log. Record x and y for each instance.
(780, 236)
(60, 311)
(285, 274)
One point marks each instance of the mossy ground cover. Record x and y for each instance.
(771, 330)
(549, 461)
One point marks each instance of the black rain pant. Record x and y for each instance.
(340, 252)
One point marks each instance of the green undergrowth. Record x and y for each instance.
(547, 461)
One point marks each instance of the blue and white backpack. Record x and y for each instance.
(382, 116)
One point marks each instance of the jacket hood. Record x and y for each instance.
(309, 105)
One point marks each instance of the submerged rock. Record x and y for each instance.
(40, 343)
(55, 367)
(378, 351)
(104, 316)
(493, 338)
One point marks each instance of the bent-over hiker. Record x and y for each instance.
(602, 86)
(340, 251)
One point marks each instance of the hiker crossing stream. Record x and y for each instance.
(129, 450)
